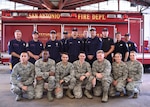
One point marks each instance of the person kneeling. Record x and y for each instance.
(44, 73)
(119, 75)
(64, 76)
(22, 78)
(84, 77)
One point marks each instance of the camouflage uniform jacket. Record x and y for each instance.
(43, 68)
(65, 72)
(119, 71)
(22, 74)
(80, 70)
(135, 69)
(103, 67)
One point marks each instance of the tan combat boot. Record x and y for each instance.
(68, 93)
(121, 94)
(87, 94)
(49, 96)
(135, 95)
(105, 97)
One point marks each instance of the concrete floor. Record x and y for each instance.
(8, 99)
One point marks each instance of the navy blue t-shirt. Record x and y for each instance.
(54, 48)
(74, 47)
(17, 47)
(34, 47)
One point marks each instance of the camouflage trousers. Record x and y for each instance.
(133, 86)
(39, 86)
(78, 87)
(102, 85)
(120, 87)
(70, 84)
(18, 91)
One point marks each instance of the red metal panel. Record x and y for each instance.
(135, 32)
(123, 28)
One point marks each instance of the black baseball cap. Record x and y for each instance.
(93, 29)
(35, 32)
(74, 29)
(104, 29)
(65, 32)
(127, 34)
(52, 32)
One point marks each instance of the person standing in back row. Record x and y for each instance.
(54, 47)
(64, 41)
(74, 46)
(131, 45)
(16, 47)
(93, 44)
(108, 44)
(34, 47)
(121, 47)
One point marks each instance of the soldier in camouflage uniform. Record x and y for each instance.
(101, 69)
(64, 77)
(119, 75)
(135, 69)
(44, 73)
(22, 77)
(84, 76)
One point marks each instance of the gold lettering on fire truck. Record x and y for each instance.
(44, 15)
(33, 15)
(49, 15)
(44, 35)
(98, 17)
(84, 16)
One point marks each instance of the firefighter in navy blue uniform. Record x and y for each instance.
(54, 47)
(84, 39)
(121, 47)
(93, 44)
(74, 46)
(34, 47)
(131, 45)
(107, 44)
(64, 41)
(16, 47)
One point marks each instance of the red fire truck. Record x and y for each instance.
(60, 20)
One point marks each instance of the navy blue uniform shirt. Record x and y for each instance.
(92, 46)
(64, 45)
(132, 46)
(84, 41)
(106, 45)
(121, 47)
(17, 47)
(35, 47)
(54, 48)
(74, 47)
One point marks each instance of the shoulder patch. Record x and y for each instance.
(27, 44)
(8, 43)
(100, 39)
(135, 45)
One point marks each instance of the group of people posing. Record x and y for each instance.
(74, 63)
